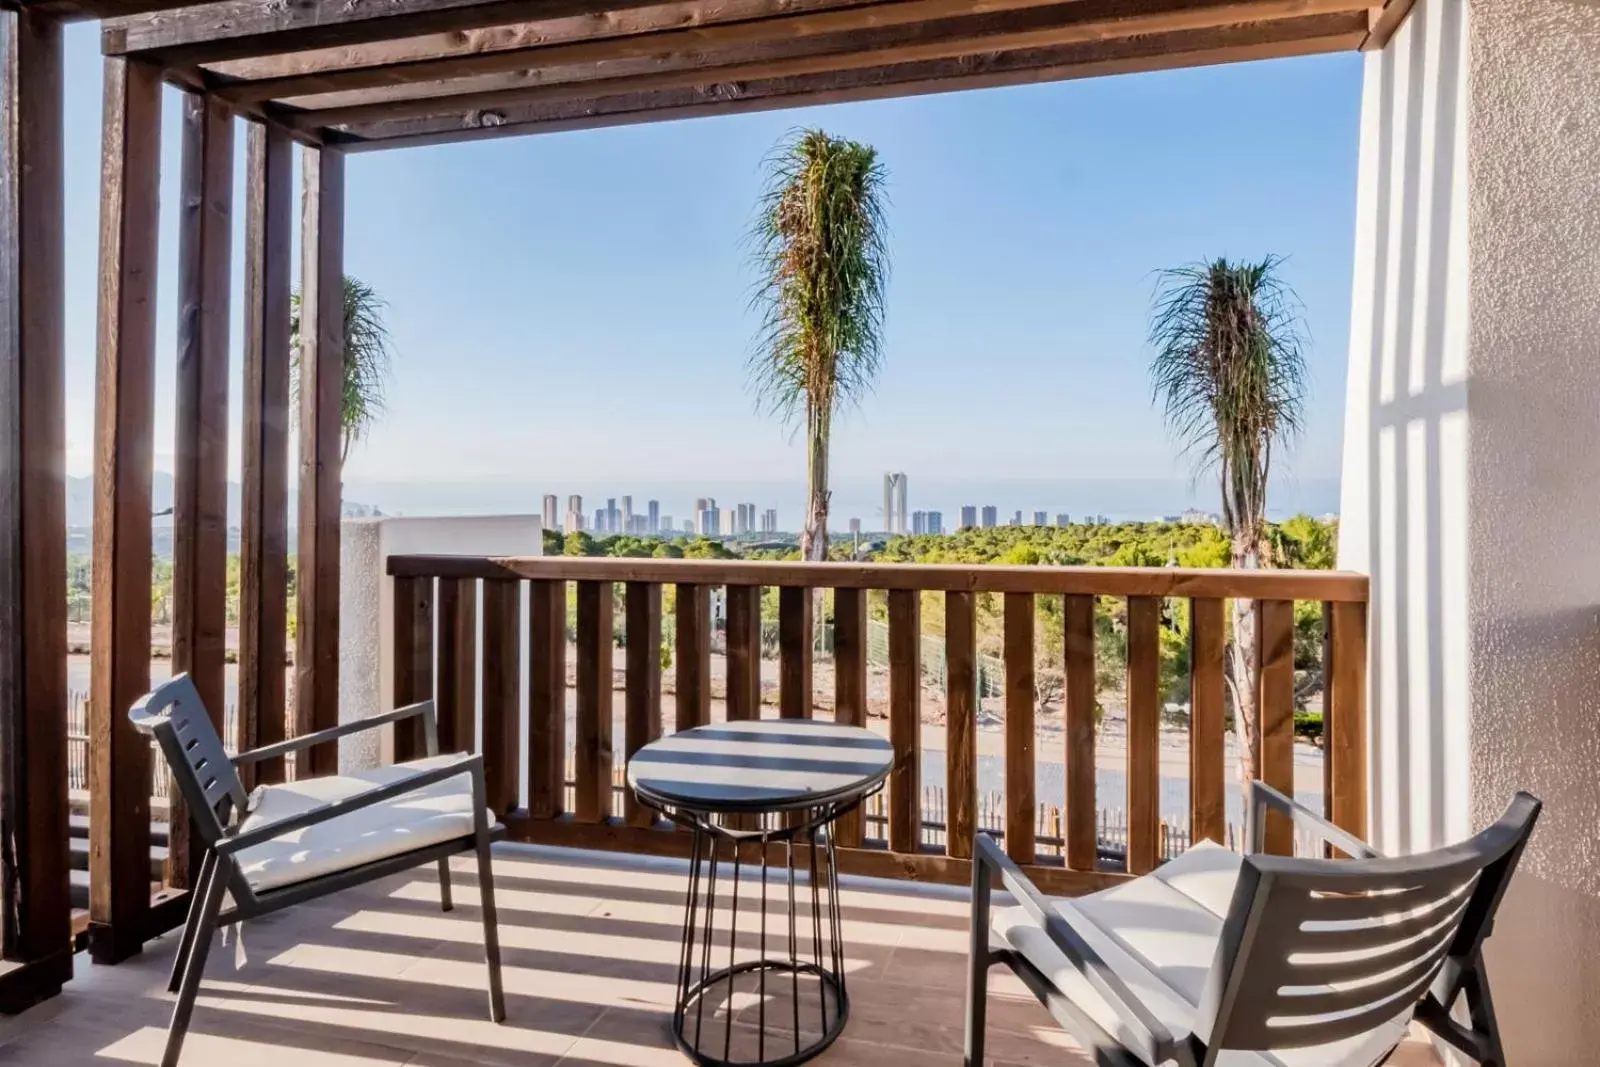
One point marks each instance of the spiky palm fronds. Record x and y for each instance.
(368, 355)
(820, 249)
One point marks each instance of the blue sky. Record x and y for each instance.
(571, 311)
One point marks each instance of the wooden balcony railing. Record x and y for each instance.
(436, 653)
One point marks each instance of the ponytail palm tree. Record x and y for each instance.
(820, 248)
(1230, 372)
(367, 354)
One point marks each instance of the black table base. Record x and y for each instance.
(786, 946)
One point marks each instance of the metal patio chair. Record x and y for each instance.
(288, 843)
(1258, 961)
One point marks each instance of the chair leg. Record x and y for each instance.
(978, 967)
(197, 894)
(446, 903)
(491, 930)
(1480, 1009)
(194, 967)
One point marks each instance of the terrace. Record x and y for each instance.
(1457, 656)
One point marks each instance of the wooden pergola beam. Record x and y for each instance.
(200, 481)
(321, 390)
(36, 924)
(641, 32)
(119, 756)
(1328, 33)
(237, 29)
(75, 10)
(264, 503)
(1080, 22)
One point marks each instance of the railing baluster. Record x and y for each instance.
(1019, 726)
(502, 693)
(1344, 721)
(961, 722)
(796, 632)
(850, 684)
(744, 652)
(1078, 710)
(643, 721)
(905, 720)
(413, 664)
(1275, 634)
(547, 698)
(1207, 640)
(1144, 732)
(593, 759)
(693, 673)
(456, 694)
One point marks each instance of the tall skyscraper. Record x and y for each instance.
(969, 516)
(550, 517)
(1063, 519)
(1040, 518)
(894, 503)
(574, 513)
(1016, 518)
(708, 522)
(919, 522)
(611, 516)
(626, 519)
(665, 527)
(936, 522)
(653, 517)
(991, 516)
(855, 526)
(769, 521)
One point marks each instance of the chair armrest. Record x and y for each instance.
(1155, 1041)
(333, 733)
(1264, 797)
(464, 764)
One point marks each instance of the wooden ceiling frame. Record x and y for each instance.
(414, 72)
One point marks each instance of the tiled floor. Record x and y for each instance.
(381, 976)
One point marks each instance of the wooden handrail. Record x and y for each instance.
(440, 595)
(1331, 587)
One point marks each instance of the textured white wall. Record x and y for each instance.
(366, 597)
(1472, 469)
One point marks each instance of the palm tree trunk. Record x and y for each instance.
(814, 535)
(1244, 666)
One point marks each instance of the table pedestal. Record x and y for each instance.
(761, 920)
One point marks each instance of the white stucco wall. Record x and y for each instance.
(1472, 469)
(366, 613)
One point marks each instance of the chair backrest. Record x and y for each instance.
(1315, 951)
(175, 716)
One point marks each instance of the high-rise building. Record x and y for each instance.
(727, 520)
(688, 526)
(1063, 519)
(936, 522)
(1016, 518)
(855, 526)
(1040, 518)
(612, 516)
(769, 521)
(550, 517)
(894, 503)
(574, 514)
(969, 516)
(626, 519)
(991, 516)
(665, 527)
(708, 522)
(919, 522)
(653, 517)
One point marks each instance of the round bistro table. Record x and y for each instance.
(761, 786)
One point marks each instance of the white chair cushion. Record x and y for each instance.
(432, 814)
(1159, 934)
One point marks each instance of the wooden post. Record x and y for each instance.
(961, 722)
(502, 693)
(1020, 817)
(1345, 716)
(200, 480)
(744, 652)
(36, 922)
(905, 720)
(264, 498)
(119, 756)
(456, 692)
(593, 722)
(413, 660)
(316, 699)
(693, 665)
(850, 685)
(1275, 627)
(643, 713)
(1144, 732)
(1078, 713)
(1207, 644)
(796, 634)
(547, 698)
